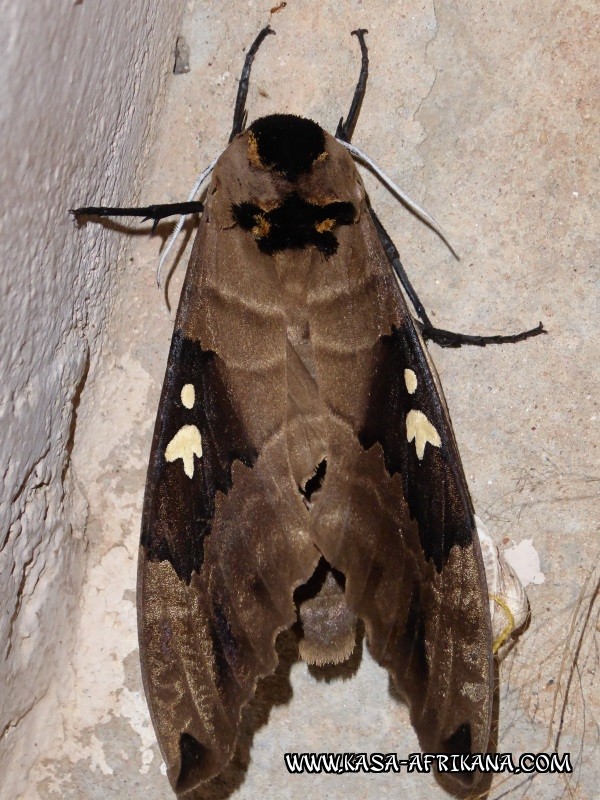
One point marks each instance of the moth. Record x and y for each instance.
(303, 468)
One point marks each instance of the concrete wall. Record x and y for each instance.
(78, 87)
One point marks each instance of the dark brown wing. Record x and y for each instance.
(394, 513)
(224, 536)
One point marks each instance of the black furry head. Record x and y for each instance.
(287, 144)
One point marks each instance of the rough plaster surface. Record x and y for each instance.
(78, 86)
(486, 115)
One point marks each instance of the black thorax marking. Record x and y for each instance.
(295, 224)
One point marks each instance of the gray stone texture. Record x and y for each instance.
(487, 114)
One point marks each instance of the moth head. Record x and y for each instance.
(287, 144)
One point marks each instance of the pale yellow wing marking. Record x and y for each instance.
(188, 395)
(186, 444)
(410, 379)
(422, 431)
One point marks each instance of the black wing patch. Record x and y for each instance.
(198, 435)
(406, 416)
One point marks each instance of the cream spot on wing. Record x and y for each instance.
(188, 395)
(410, 379)
(422, 431)
(186, 444)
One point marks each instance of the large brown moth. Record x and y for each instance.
(304, 468)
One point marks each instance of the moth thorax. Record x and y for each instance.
(327, 627)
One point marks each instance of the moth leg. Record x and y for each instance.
(394, 259)
(451, 339)
(345, 128)
(440, 336)
(239, 113)
(154, 212)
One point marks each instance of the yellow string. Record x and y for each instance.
(508, 629)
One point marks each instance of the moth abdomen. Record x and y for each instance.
(327, 627)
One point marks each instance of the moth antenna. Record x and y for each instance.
(242, 93)
(401, 195)
(345, 129)
(240, 116)
(177, 229)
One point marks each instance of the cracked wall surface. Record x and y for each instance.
(485, 115)
(77, 91)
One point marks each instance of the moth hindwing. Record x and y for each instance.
(303, 468)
